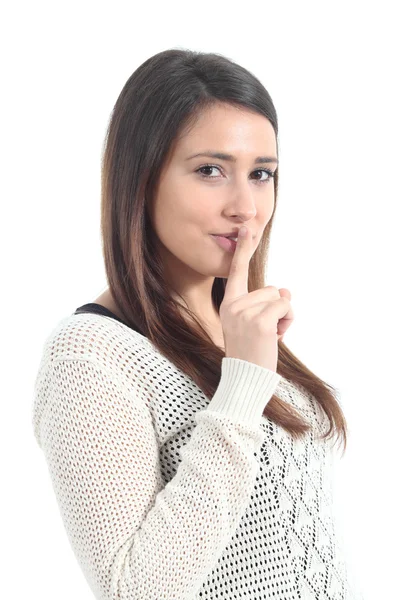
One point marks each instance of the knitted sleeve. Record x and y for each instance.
(134, 537)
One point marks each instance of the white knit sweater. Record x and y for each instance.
(166, 495)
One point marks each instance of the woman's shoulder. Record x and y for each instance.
(91, 357)
(94, 337)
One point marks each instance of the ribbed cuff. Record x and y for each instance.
(244, 390)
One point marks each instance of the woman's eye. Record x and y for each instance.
(206, 167)
(208, 176)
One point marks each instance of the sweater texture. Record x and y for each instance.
(167, 495)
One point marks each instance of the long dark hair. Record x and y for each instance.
(159, 102)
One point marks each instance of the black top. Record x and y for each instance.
(97, 309)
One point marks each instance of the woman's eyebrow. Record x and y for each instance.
(231, 158)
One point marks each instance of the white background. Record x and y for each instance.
(333, 73)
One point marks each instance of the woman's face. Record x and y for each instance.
(189, 207)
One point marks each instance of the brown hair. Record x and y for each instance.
(159, 102)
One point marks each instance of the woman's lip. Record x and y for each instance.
(225, 242)
(225, 236)
(218, 234)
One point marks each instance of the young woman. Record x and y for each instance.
(189, 449)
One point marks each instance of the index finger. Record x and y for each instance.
(237, 282)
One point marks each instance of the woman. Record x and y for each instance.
(190, 451)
